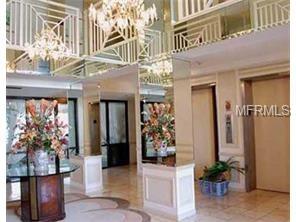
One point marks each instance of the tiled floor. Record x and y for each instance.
(259, 206)
(256, 206)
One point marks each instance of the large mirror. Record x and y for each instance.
(30, 105)
(157, 112)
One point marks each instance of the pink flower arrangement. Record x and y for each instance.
(160, 126)
(41, 129)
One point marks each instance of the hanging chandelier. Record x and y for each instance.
(47, 46)
(161, 68)
(10, 67)
(123, 13)
(158, 73)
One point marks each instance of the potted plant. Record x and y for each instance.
(159, 128)
(215, 179)
(39, 133)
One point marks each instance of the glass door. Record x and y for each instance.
(114, 133)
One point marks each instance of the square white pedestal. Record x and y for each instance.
(88, 178)
(169, 190)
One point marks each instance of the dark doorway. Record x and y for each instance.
(114, 133)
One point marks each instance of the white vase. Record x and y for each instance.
(40, 162)
(162, 151)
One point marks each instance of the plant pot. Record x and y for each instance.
(218, 189)
(40, 162)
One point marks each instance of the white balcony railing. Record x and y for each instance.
(152, 45)
(197, 26)
(27, 18)
(186, 8)
(271, 12)
(196, 32)
(124, 45)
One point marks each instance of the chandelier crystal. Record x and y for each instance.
(123, 13)
(161, 68)
(10, 67)
(158, 73)
(47, 46)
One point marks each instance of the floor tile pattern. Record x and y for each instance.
(255, 206)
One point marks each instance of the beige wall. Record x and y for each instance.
(132, 130)
(228, 87)
(90, 95)
(183, 112)
(227, 91)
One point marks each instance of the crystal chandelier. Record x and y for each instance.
(10, 67)
(161, 68)
(47, 45)
(158, 73)
(123, 13)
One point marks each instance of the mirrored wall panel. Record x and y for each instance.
(40, 119)
(157, 112)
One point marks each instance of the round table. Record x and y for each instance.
(42, 196)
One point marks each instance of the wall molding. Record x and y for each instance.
(264, 70)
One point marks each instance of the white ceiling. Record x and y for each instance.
(113, 73)
(30, 77)
(262, 47)
(41, 92)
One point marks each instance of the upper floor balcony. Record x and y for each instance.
(192, 23)
(181, 25)
(26, 18)
(199, 22)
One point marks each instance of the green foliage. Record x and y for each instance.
(218, 171)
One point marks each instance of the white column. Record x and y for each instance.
(88, 178)
(138, 127)
(169, 191)
(183, 111)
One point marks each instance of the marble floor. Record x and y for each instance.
(259, 206)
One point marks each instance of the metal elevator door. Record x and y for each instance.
(272, 136)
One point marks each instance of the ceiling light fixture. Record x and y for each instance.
(161, 68)
(158, 73)
(122, 14)
(47, 46)
(10, 67)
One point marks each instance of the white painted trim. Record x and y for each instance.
(42, 83)
(264, 70)
(203, 80)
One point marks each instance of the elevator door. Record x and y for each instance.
(203, 117)
(272, 136)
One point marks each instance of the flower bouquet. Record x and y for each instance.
(39, 133)
(160, 126)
